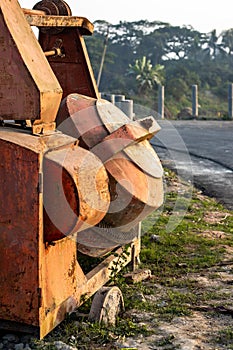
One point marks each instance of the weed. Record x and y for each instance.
(118, 265)
(168, 340)
(225, 337)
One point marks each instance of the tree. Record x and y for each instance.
(180, 42)
(146, 50)
(227, 41)
(153, 46)
(147, 75)
(214, 47)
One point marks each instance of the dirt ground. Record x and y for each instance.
(201, 330)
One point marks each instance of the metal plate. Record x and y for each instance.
(111, 116)
(144, 156)
(97, 240)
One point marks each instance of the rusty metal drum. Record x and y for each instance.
(133, 168)
(76, 194)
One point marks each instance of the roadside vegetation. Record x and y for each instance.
(181, 260)
(182, 56)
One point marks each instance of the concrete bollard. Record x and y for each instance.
(230, 101)
(119, 98)
(119, 101)
(108, 97)
(195, 100)
(127, 107)
(161, 101)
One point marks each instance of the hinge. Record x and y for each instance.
(40, 183)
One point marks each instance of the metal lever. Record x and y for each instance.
(56, 51)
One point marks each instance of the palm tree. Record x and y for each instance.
(147, 75)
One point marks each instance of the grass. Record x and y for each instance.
(166, 341)
(184, 249)
(225, 337)
(82, 334)
(177, 253)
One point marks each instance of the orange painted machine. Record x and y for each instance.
(76, 174)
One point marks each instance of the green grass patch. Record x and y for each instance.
(184, 249)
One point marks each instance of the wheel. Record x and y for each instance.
(54, 8)
(107, 304)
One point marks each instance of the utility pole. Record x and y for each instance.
(103, 58)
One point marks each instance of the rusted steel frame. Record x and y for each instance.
(102, 273)
(93, 281)
(33, 12)
(30, 91)
(19, 224)
(60, 21)
(136, 248)
(75, 64)
(51, 263)
(39, 127)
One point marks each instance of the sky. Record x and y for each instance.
(202, 15)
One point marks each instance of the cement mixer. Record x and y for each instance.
(77, 175)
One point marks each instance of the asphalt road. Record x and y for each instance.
(200, 151)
